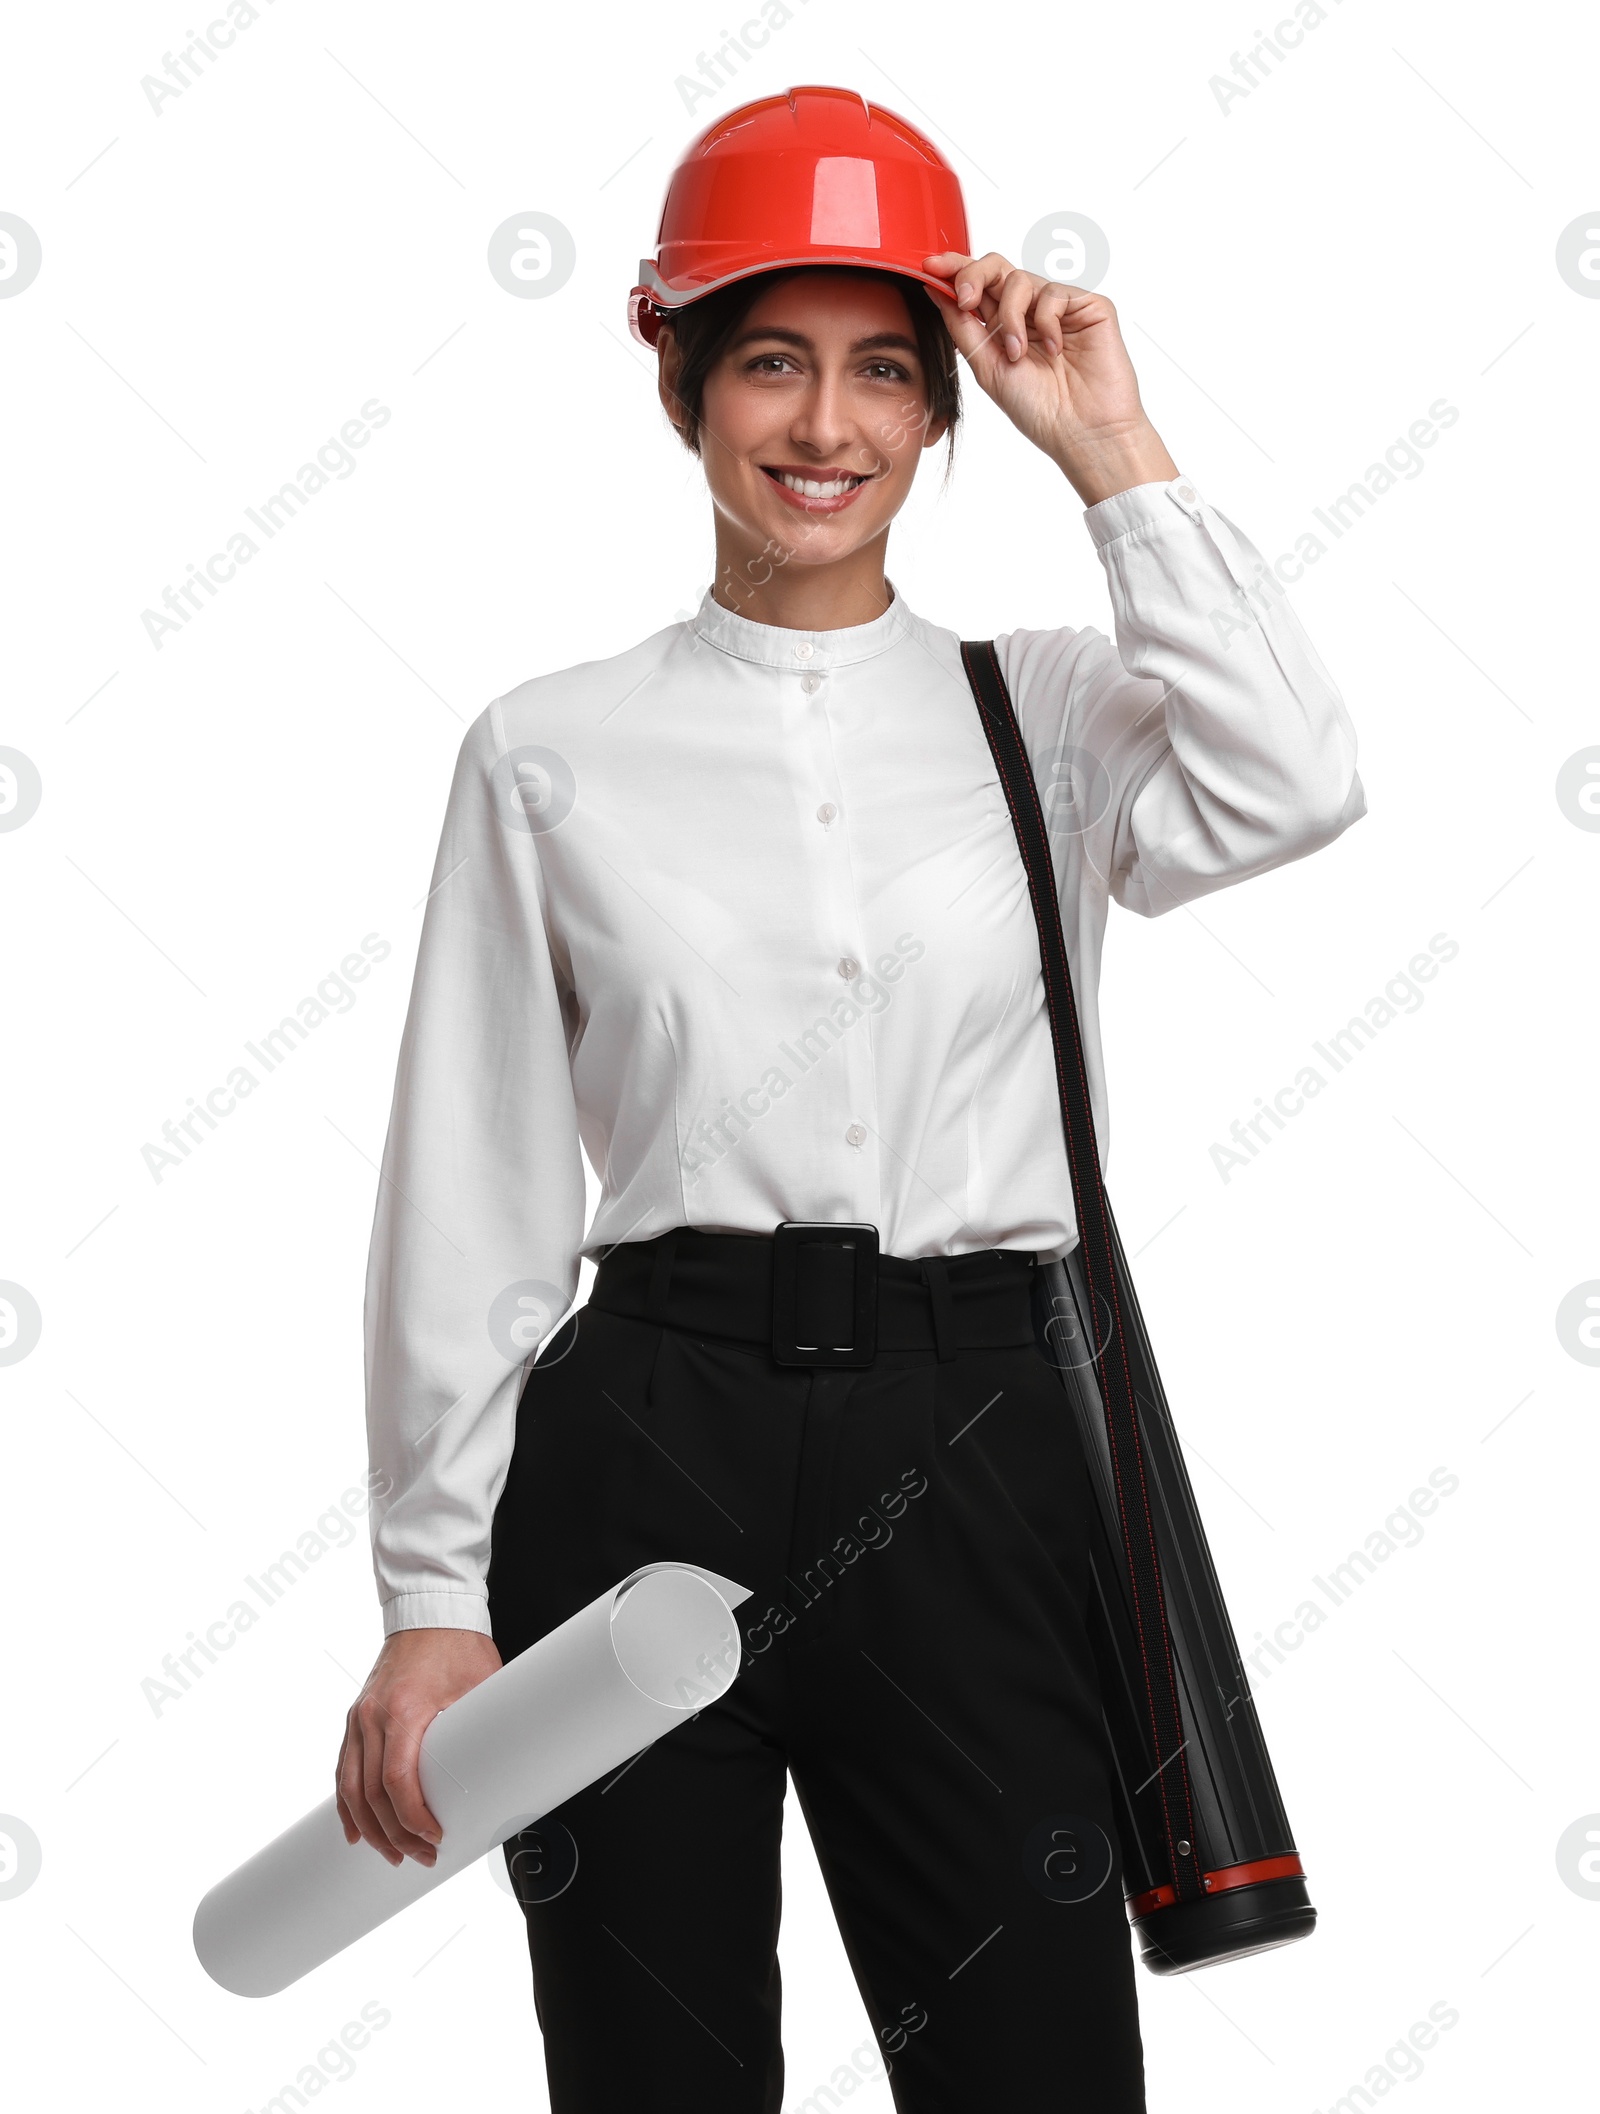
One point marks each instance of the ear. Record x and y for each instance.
(668, 362)
(937, 429)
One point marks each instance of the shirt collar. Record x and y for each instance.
(774, 646)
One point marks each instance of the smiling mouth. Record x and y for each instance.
(817, 492)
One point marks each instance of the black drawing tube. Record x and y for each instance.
(1255, 1894)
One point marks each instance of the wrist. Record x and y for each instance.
(1100, 463)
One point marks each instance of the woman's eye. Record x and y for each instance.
(782, 363)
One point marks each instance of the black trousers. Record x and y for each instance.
(915, 1657)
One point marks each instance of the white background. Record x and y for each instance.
(1373, 1297)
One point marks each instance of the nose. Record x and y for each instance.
(825, 426)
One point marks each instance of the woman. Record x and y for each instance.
(741, 910)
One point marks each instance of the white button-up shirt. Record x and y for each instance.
(742, 910)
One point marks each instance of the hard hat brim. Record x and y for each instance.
(652, 299)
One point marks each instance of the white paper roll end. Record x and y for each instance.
(675, 1637)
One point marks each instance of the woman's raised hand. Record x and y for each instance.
(379, 1792)
(1052, 358)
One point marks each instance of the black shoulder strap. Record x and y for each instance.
(1097, 1234)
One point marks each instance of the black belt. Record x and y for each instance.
(820, 1293)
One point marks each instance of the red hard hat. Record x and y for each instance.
(817, 176)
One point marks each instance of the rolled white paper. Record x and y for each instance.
(607, 1683)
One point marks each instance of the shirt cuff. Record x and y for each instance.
(1142, 506)
(444, 1610)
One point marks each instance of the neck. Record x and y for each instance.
(752, 581)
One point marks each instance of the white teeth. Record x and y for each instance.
(811, 489)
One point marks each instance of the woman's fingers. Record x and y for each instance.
(1017, 292)
(355, 1808)
(973, 277)
(966, 331)
(388, 1838)
(1014, 307)
(978, 284)
(347, 1780)
(1048, 318)
(387, 1754)
(1059, 394)
(379, 1795)
(402, 1780)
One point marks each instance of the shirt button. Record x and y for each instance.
(849, 968)
(804, 650)
(808, 683)
(827, 811)
(1186, 491)
(855, 1135)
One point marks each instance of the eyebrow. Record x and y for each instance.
(878, 341)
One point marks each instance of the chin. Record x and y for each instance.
(808, 540)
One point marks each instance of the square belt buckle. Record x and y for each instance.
(824, 1285)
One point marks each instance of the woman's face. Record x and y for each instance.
(820, 386)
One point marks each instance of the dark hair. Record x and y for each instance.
(704, 329)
